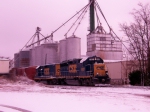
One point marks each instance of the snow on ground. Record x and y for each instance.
(24, 95)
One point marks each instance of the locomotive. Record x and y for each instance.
(74, 72)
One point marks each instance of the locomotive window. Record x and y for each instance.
(88, 68)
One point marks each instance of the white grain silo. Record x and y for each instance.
(35, 56)
(49, 53)
(62, 50)
(73, 47)
(38, 55)
(44, 54)
(32, 57)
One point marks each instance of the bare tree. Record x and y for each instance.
(138, 34)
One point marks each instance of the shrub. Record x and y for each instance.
(135, 77)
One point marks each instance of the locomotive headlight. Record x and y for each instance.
(97, 74)
(106, 72)
(103, 80)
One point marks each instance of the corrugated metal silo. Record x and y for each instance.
(32, 57)
(24, 58)
(49, 53)
(38, 55)
(62, 50)
(73, 47)
(16, 60)
(35, 56)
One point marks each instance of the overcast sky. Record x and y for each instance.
(19, 19)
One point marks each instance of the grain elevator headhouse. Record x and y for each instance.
(99, 42)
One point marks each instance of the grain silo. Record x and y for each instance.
(38, 55)
(49, 53)
(73, 47)
(16, 60)
(24, 58)
(44, 54)
(33, 56)
(62, 50)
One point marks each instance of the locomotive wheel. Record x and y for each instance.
(80, 82)
(88, 82)
(49, 82)
(59, 81)
(55, 81)
(63, 82)
(37, 80)
(91, 83)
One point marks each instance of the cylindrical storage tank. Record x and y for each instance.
(32, 55)
(38, 55)
(58, 53)
(62, 50)
(73, 47)
(16, 60)
(49, 53)
(24, 58)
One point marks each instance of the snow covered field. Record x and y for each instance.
(28, 96)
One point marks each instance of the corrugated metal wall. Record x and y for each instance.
(44, 54)
(24, 58)
(105, 46)
(16, 60)
(49, 53)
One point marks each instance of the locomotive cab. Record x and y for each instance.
(98, 69)
(101, 73)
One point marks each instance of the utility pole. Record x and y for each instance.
(92, 16)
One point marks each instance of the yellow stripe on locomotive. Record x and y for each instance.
(46, 71)
(57, 70)
(73, 68)
(99, 69)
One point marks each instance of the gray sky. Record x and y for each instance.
(19, 19)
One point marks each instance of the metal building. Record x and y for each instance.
(4, 66)
(105, 46)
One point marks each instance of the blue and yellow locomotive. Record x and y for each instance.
(75, 72)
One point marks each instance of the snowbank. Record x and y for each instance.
(28, 96)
